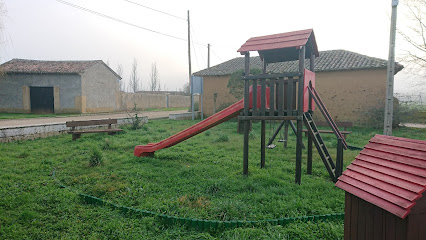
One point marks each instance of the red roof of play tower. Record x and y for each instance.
(282, 47)
(390, 172)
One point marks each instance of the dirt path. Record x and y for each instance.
(413, 125)
(7, 123)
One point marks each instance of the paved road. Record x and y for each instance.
(51, 120)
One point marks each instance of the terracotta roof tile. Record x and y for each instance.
(332, 60)
(38, 66)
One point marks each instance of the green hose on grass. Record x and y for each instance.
(199, 224)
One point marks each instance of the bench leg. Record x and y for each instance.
(75, 136)
(111, 133)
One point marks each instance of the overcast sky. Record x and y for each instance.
(51, 30)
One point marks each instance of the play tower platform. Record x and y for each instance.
(292, 96)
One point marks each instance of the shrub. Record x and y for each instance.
(236, 85)
(95, 158)
(375, 116)
(136, 121)
(196, 107)
(222, 138)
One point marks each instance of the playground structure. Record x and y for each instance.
(292, 97)
(285, 97)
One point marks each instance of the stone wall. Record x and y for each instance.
(147, 101)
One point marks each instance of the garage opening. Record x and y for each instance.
(42, 100)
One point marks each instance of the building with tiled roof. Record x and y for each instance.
(58, 86)
(350, 84)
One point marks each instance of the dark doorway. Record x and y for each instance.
(41, 99)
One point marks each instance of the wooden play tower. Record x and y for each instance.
(291, 97)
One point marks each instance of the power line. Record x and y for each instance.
(215, 53)
(195, 53)
(201, 54)
(155, 10)
(117, 20)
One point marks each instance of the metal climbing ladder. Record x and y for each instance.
(327, 115)
(319, 144)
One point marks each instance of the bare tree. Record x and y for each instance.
(135, 84)
(186, 89)
(154, 78)
(414, 33)
(120, 73)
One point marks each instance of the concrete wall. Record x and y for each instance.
(179, 101)
(100, 89)
(15, 91)
(146, 101)
(348, 95)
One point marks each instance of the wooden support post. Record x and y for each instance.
(254, 106)
(339, 159)
(262, 143)
(309, 163)
(280, 97)
(262, 113)
(289, 94)
(246, 113)
(271, 97)
(298, 176)
(285, 134)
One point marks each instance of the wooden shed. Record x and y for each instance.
(384, 186)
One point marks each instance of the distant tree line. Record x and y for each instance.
(135, 84)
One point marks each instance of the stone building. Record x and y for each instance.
(33, 86)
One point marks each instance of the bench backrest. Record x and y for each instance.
(339, 124)
(91, 122)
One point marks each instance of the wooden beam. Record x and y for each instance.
(298, 175)
(250, 118)
(310, 139)
(246, 113)
(262, 113)
(272, 76)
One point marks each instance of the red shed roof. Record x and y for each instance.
(390, 172)
(272, 47)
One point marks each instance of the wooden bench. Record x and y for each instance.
(77, 133)
(343, 125)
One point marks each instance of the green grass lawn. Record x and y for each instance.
(198, 178)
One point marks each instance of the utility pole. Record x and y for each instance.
(208, 55)
(189, 64)
(390, 74)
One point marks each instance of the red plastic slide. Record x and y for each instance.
(218, 118)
